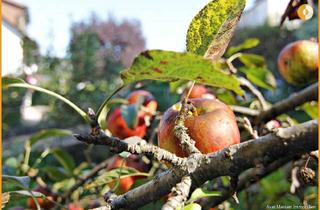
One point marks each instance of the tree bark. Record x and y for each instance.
(296, 99)
(285, 142)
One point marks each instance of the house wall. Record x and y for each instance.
(12, 52)
(14, 14)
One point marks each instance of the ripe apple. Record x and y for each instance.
(272, 124)
(132, 161)
(74, 206)
(118, 127)
(298, 62)
(44, 203)
(200, 91)
(213, 127)
(149, 102)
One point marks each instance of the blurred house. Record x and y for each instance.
(14, 22)
(266, 12)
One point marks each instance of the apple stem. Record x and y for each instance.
(189, 92)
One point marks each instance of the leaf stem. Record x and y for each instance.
(107, 100)
(51, 93)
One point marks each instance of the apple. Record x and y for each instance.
(133, 161)
(272, 124)
(149, 102)
(118, 127)
(213, 127)
(74, 206)
(46, 203)
(298, 62)
(200, 91)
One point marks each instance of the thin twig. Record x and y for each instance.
(81, 180)
(296, 99)
(247, 125)
(245, 110)
(255, 91)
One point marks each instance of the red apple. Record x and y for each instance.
(149, 102)
(272, 124)
(118, 127)
(74, 206)
(298, 62)
(46, 203)
(200, 91)
(213, 128)
(132, 161)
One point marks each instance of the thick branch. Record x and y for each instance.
(286, 142)
(135, 148)
(245, 180)
(296, 99)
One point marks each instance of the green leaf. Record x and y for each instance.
(311, 108)
(48, 133)
(124, 154)
(212, 28)
(27, 193)
(260, 76)
(202, 193)
(226, 96)
(55, 173)
(130, 115)
(252, 60)
(178, 86)
(6, 81)
(173, 66)
(5, 197)
(18, 181)
(285, 117)
(10, 82)
(64, 159)
(247, 44)
(113, 175)
(192, 206)
(64, 184)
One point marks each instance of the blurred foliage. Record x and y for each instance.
(97, 51)
(265, 192)
(31, 52)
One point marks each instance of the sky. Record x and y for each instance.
(164, 23)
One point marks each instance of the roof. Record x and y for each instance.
(15, 4)
(13, 13)
(12, 28)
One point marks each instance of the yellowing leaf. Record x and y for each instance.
(212, 28)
